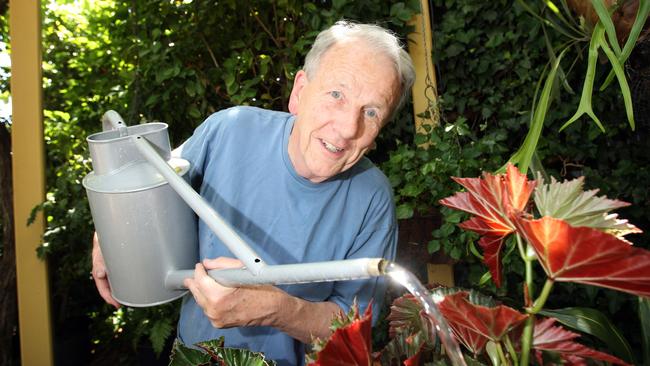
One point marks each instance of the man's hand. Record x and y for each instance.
(267, 305)
(99, 274)
(230, 307)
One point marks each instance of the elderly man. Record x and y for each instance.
(297, 187)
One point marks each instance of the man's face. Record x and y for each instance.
(340, 110)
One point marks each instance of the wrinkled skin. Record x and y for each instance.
(340, 110)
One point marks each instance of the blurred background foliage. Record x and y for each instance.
(178, 61)
(155, 60)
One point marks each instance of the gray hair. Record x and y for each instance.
(381, 39)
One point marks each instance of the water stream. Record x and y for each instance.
(413, 285)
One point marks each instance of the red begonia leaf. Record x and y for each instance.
(472, 340)
(490, 322)
(405, 314)
(349, 345)
(586, 255)
(491, 246)
(492, 200)
(548, 337)
(403, 348)
(415, 359)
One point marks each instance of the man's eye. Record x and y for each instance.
(335, 94)
(371, 113)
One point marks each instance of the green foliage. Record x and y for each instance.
(214, 353)
(490, 58)
(596, 323)
(419, 175)
(644, 316)
(172, 61)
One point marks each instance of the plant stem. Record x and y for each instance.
(528, 262)
(527, 339)
(502, 356)
(541, 300)
(527, 335)
(511, 351)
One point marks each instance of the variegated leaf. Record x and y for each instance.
(568, 201)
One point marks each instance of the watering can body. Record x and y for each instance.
(145, 229)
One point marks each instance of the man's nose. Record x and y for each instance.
(349, 123)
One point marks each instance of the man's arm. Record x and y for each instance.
(99, 274)
(258, 305)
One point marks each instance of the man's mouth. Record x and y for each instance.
(330, 147)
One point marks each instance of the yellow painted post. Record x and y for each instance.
(425, 96)
(424, 90)
(29, 182)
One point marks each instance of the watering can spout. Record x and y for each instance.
(288, 274)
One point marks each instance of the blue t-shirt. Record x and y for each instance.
(241, 167)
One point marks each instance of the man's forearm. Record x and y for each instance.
(305, 320)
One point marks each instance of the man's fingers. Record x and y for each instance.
(99, 274)
(222, 262)
(193, 286)
(104, 290)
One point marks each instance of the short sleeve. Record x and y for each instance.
(377, 243)
(199, 146)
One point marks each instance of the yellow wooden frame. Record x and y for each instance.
(424, 90)
(424, 99)
(28, 172)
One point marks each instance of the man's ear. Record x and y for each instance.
(299, 82)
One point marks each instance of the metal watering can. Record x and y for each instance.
(145, 215)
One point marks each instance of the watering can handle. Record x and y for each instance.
(112, 120)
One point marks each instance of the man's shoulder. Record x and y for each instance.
(241, 116)
(367, 175)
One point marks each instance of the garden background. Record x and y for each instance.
(179, 61)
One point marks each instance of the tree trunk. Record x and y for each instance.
(8, 299)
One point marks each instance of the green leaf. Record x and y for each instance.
(404, 211)
(595, 323)
(454, 216)
(189, 89)
(433, 246)
(637, 27)
(568, 201)
(242, 357)
(608, 24)
(588, 86)
(644, 317)
(524, 155)
(194, 112)
(160, 331)
(185, 356)
(411, 190)
(338, 4)
(622, 80)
